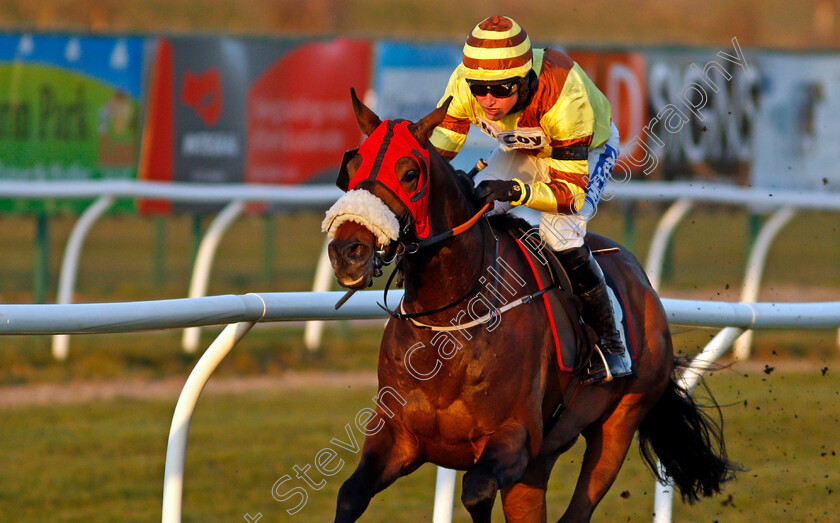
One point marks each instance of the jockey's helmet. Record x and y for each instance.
(496, 50)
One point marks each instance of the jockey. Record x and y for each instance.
(557, 148)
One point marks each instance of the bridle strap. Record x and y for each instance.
(484, 319)
(407, 316)
(555, 284)
(411, 248)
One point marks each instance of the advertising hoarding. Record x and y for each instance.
(797, 136)
(69, 110)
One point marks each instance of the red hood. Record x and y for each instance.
(388, 143)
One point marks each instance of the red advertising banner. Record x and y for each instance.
(232, 110)
(157, 155)
(299, 117)
(622, 78)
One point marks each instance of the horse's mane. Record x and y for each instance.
(504, 222)
(465, 184)
(510, 223)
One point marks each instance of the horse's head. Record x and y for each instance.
(388, 180)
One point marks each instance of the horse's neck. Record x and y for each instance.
(442, 274)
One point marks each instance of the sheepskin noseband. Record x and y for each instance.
(391, 141)
(367, 210)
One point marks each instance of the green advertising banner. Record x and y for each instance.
(69, 111)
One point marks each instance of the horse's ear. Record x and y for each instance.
(343, 181)
(368, 121)
(423, 129)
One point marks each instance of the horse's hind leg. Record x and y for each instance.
(385, 458)
(524, 502)
(606, 448)
(502, 462)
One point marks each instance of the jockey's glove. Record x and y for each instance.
(500, 190)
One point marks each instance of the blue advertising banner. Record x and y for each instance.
(409, 82)
(112, 60)
(797, 136)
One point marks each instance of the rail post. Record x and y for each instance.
(755, 269)
(176, 448)
(323, 278)
(70, 265)
(662, 236)
(664, 496)
(204, 261)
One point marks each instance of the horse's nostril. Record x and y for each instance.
(336, 255)
(357, 251)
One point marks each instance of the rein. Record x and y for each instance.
(411, 248)
(483, 319)
(497, 311)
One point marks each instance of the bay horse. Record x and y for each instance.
(494, 402)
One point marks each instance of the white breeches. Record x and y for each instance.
(560, 231)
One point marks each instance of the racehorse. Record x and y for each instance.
(495, 402)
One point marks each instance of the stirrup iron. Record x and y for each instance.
(609, 376)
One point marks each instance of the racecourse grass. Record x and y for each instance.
(103, 461)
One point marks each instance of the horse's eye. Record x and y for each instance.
(410, 176)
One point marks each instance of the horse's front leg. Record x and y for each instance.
(386, 456)
(503, 462)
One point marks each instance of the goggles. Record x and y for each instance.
(497, 90)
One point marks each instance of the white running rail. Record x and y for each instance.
(685, 194)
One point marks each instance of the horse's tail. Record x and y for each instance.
(688, 443)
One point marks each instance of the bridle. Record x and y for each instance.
(397, 249)
(413, 249)
(403, 248)
(390, 141)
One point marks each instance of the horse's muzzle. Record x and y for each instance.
(352, 262)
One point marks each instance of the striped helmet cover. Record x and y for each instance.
(497, 49)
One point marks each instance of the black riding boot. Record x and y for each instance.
(588, 284)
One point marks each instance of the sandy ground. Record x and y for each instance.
(169, 389)
(81, 392)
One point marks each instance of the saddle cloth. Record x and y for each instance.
(562, 301)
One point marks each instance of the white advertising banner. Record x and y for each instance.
(797, 131)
